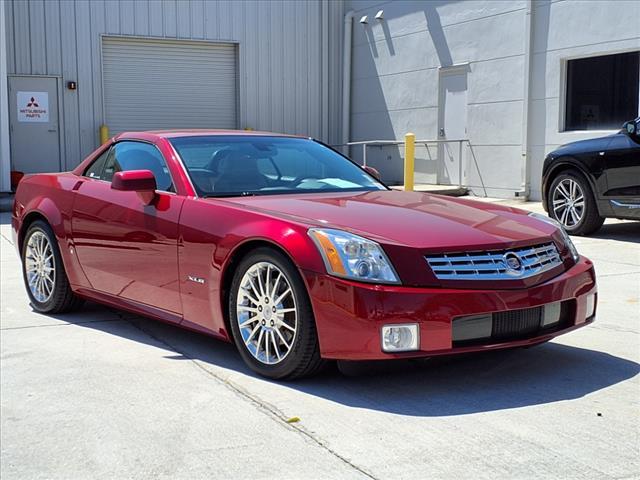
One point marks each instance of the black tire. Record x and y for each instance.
(590, 219)
(303, 357)
(61, 298)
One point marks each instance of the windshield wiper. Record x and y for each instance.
(229, 194)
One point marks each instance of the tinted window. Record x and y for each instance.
(241, 165)
(95, 169)
(602, 92)
(138, 156)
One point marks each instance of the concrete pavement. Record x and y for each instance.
(105, 394)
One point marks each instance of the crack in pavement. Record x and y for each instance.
(270, 410)
(7, 239)
(600, 275)
(64, 324)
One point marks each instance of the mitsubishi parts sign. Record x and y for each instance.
(33, 106)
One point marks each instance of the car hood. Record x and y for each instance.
(412, 219)
(583, 146)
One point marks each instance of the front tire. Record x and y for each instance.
(271, 317)
(43, 271)
(571, 202)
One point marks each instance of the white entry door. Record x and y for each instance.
(34, 124)
(452, 124)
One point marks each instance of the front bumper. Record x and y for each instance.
(350, 315)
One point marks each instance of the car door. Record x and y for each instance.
(126, 248)
(622, 166)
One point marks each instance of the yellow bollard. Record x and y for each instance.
(409, 160)
(104, 134)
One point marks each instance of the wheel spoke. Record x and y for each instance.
(252, 334)
(574, 216)
(260, 284)
(288, 327)
(249, 296)
(260, 337)
(562, 189)
(284, 342)
(266, 346)
(249, 321)
(275, 345)
(276, 284)
(245, 308)
(282, 311)
(266, 285)
(40, 289)
(278, 300)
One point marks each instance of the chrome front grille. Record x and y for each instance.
(507, 264)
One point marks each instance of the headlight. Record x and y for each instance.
(565, 235)
(351, 256)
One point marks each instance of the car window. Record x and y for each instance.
(131, 155)
(95, 169)
(262, 165)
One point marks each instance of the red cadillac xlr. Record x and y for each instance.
(293, 252)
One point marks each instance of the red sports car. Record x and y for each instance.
(287, 248)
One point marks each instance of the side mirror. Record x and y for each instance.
(631, 127)
(140, 181)
(373, 172)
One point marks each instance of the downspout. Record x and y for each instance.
(346, 80)
(525, 187)
(5, 159)
(324, 45)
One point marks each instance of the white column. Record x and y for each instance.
(5, 162)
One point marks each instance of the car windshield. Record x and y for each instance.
(223, 166)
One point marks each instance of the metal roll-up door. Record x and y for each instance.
(165, 84)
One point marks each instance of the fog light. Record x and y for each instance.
(591, 305)
(400, 338)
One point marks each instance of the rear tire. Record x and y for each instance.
(43, 271)
(572, 203)
(271, 317)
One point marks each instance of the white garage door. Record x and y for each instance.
(166, 84)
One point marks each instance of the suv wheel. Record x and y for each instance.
(571, 202)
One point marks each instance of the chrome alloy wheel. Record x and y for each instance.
(568, 202)
(266, 313)
(40, 267)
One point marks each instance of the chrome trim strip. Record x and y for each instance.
(493, 265)
(616, 203)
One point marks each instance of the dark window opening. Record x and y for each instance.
(602, 92)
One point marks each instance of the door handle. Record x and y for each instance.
(442, 132)
(52, 130)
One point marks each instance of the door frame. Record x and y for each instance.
(62, 161)
(444, 71)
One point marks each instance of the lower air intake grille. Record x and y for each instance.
(516, 322)
(512, 325)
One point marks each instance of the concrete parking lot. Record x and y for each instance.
(105, 394)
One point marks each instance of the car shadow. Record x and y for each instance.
(626, 231)
(441, 386)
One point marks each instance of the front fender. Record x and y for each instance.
(557, 166)
(293, 240)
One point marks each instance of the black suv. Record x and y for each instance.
(584, 182)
